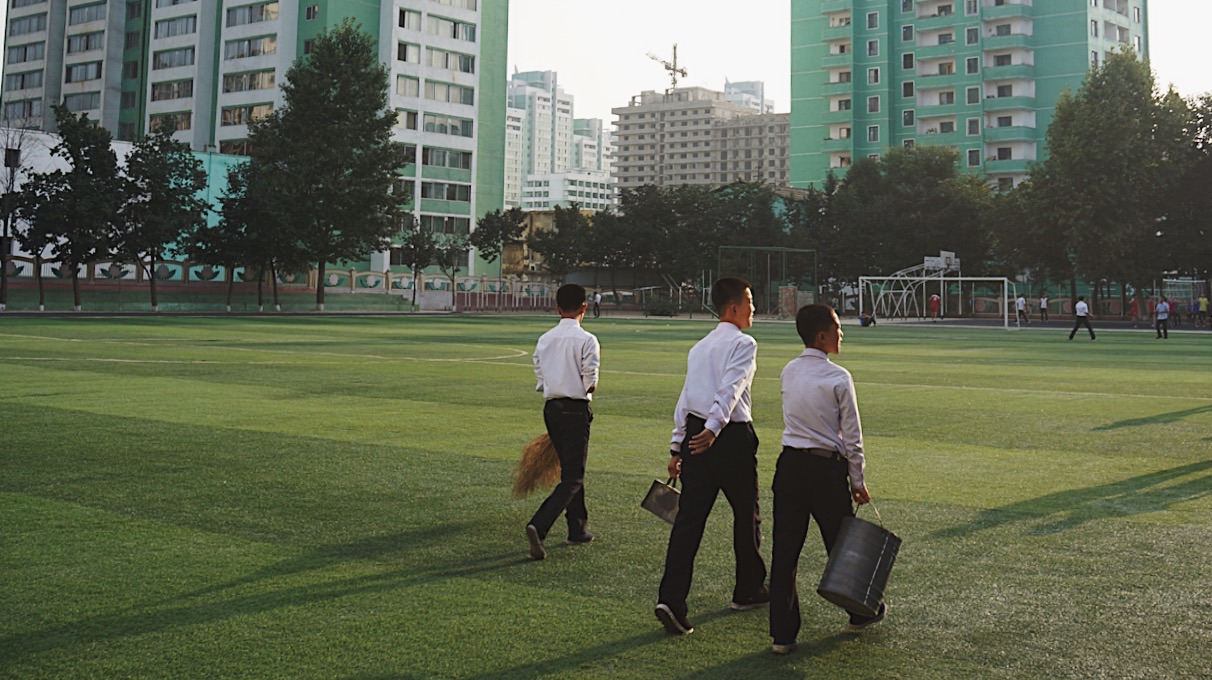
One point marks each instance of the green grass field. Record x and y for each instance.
(328, 498)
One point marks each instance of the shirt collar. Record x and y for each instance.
(814, 353)
(565, 322)
(729, 326)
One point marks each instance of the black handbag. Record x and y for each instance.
(662, 499)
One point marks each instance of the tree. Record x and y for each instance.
(565, 246)
(451, 257)
(161, 202)
(71, 212)
(329, 150)
(1110, 168)
(494, 231)
(18, 142)
(418, 250)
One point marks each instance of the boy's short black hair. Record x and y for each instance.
(570, 297)
(812, 320)
(727, 291)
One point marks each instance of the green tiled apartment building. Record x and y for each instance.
(982, 76)
(209, 67)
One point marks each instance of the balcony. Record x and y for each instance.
(833, 6)
(950, 49)
(1005, 11)
(1009, 103)
(939, 110)
(836, 88)
(837, 117)
(929, 138)
(1014, 166)
(830, 145)
(935, 81)
(837, 60)
(834, 33)
(1011, 133)
(1006, 42)
(1011, 72)
(937, 21)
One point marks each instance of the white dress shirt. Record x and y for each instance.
(719, 372)
(1081, 309)
(820, 410)
(566, 361)
(1163, 311)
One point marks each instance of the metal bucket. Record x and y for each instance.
(858, 567)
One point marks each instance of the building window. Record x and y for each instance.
(462, 4)
(408, 87)
(252, 14)
(1136, 43)
(176, 26)
(453, 61)
(77, 73)
(974, 95)
(175, 89)
(85, 42)
(234, 147)
(407, 119)
(448, 28)
(907, 33)
(974, 126)
(873, 104)
(974, 157)
(243, 115)
(907, 118)
(972, 36)
(946, 38)
(446, 191)
(908, 144)
(907, 88)
(873, 48)
(1005, 121)
(25, 3)
(1136, 14)
(448, 125)
(873, 133)
(171, 3)
(447, 92)
(1004, 153)
(1093, 58)
(409, 53)
(85, 13)
(170, 122)
(244, 82)
(410, 20)
(873, 76)
(23, 81)
(133, 40)
(134, 9)
(843, 105)
(22, 109)
(312, 13)
(946, 68)
(1002, 30)
(972, 65)
(308, 45)
(87, 101)
(946, 98)
(129, 99)
(1001, 60)
(970, 7)
(29, 52)
(907, 60)
(130, 69)
(33, 23)
(252, 47)
(1005, 90)
(946, 127)
(873, 20)
(173, 58)
(906, 5)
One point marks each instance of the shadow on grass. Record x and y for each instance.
(1152, 492)
(766, 664)
(234, 602)
(1159, 419)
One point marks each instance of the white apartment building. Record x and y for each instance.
(751, 93)
(589, 190)
(694, 135)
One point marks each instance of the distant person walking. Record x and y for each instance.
(1081, 316)
(820, 470)
(566, 361)
(597, 304)
(1162, 312)
(935, 302)
(1203, 309)
(713, 449)
(1043, 307)
(1020, 307)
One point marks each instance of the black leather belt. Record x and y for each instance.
(823, 453)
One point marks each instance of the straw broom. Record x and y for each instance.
(539, 467)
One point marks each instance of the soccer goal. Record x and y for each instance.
(908, 293)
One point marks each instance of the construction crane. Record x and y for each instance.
(671, 66)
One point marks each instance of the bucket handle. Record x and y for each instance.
(877, 512)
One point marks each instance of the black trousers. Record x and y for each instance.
(805, 486)
(1163, 328)
(567, 423)
(1078, 322)
(730, 465)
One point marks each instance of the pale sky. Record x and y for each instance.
(599, 48)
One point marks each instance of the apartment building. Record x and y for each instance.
(207, 68)
(981, 76)
(694, 135)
